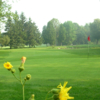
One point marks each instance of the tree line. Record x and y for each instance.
(56, 33)
(21, 32)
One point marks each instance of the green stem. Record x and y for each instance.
(23, 93)
(20, 78)
(16, 77)
(24, 83)
(49, 98)
(47, 95)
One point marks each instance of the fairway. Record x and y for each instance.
(49, 67)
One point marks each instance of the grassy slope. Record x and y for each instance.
(48, 68)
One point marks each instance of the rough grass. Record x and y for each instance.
(48, 68)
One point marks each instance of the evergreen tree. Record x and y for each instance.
(38, 37)
(51, 34)
(30, 29)
(9, 29)
(45, 35)
(14, 29)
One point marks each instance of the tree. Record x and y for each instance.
(61, 34)
(4, 40)
(81, 36)
(14, 29)
(45, 35)
(87, 32)
(70, 32)
(38, 37)
(9, 31)
(51, 34)
(29, 29)
(95, 30)
(55, 22)
(33, 34)
(23, 19)
(22, 33)
(18, 32)
(5, 10)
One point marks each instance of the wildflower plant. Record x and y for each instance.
(8, 66)
(59, 93)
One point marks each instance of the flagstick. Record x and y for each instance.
(88, 45)
(88, 49)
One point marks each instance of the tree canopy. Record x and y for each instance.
(22, 32)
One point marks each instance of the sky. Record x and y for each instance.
(42, 11)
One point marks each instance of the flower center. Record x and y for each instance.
(7, 65)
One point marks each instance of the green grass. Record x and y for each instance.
(49, 67)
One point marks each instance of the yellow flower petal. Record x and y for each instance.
(70, 97)
(8, 65)
(67, 89)
(63, 95)
(59, 86)
(65, 84)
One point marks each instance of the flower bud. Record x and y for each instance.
(21, 69)
(25, 79)
(13, 70)
(55, 91)
(32, 97)
(23, 59)
(56, 96)
(28, 76)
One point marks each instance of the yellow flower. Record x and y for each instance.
(8, 65)
(63, 94)
(23, 59)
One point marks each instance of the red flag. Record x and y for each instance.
(88, 38)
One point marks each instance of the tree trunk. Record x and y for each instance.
(10, 46)
(46, 44)
(29, 45)
(97, 41)
(61, 43)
